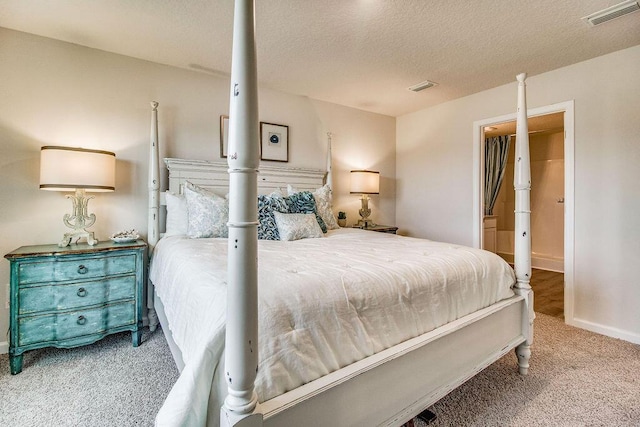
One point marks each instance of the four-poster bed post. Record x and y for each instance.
(241, 348)
(329, 178)
(153, 225)
(522, 185)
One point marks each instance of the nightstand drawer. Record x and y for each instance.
(59, 270)
(35, 299)
(66, 325)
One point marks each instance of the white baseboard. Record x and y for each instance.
(538, 262)
(605, 330)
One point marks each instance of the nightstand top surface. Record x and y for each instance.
(378, 227)
(73, 249)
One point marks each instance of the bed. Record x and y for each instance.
(284, 356)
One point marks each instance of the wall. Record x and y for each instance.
(55, 93)
(435, 191)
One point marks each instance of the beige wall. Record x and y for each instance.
(55, 93)
(435, 177)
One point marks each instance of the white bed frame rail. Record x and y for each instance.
(388, 388)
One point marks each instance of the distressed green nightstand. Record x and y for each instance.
(73, 296)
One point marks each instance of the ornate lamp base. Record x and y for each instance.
(79, 220)
(365, 222)
(75, 236)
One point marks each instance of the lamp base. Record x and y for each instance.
(365, 223)
(79, 220)
(75, 236)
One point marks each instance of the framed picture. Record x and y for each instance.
(274, 142)
(224, 136)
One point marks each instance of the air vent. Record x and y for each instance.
(422, 86)
(612, 12)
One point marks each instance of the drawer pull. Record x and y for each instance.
(82, 269)
(82, 292)
(81, 320)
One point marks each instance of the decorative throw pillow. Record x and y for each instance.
(177, 215)
(267, 205)
(208, 213)
(324, 204)
(304, 202)
(296, 226)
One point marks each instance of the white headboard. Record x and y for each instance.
(215, 176)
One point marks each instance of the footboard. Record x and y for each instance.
(391, 387)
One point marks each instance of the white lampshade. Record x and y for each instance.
(365, 182)
(65, 168)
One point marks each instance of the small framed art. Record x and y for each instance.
(274, 142)
(224, 136)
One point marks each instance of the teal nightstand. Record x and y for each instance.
(73, 296)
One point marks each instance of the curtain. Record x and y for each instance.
(496, 150)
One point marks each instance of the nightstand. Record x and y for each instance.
(73, 296)
(380, 228)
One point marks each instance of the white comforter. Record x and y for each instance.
(324, 304)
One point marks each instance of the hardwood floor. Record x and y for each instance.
(548, 292)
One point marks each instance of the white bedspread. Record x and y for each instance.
(324, 304)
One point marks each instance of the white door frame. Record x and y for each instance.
(569, 188)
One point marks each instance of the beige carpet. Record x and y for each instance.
(577, 378)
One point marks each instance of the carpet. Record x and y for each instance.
(576, 378)
(108, 383)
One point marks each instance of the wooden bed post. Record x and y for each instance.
(241, 347)
(153, 225)
(522, 262)
(329, 179)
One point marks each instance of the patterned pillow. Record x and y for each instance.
(267, 205)
(303, 202)
(324, 204)
(208, 213)
(296, 226)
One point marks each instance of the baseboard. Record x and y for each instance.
(539, 263)
(605, 330)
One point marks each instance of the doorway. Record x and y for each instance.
(550, 131)
(546, 146)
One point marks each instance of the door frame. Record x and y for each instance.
(567, 108)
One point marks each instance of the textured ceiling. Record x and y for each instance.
(358, 53)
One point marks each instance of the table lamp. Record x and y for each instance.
(365, 182)
(80, 170)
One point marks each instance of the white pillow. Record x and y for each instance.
(296, 226)
(208, 213)
(324, 205)
(177, 214)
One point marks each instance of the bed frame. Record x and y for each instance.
(388, 388)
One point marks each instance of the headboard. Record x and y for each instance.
(214, 176)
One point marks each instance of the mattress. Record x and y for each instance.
(323, 304)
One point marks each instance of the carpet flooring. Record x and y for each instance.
(577, 378)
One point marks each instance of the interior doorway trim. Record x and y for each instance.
(569, 188)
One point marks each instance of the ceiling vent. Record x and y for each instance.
(612, 12)
(422, 86)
